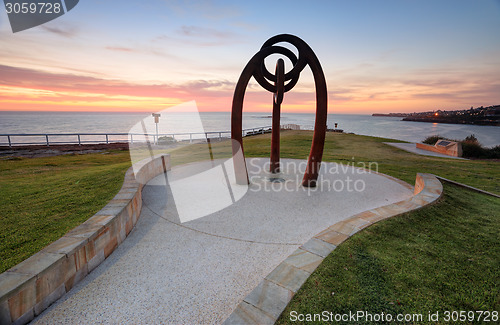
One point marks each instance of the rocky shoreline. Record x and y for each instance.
(452, 121)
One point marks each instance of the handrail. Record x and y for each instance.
(130, 136)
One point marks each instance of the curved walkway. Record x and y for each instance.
(199, 271)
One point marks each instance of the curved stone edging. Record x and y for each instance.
(34, 284)
(267, 301)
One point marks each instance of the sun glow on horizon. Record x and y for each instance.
(186, 52)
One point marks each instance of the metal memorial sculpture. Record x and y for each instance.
(277, 84)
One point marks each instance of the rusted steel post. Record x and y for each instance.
(275, 140)
(277, 100)
(256, 68)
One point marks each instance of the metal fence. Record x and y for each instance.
(48, 139)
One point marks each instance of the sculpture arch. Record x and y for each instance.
(256, 68)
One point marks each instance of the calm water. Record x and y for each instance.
(387, 127)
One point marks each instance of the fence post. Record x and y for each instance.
(107, 139)
(47, 139)
(79, 142)
(10, 144)
(190, 138)
(131, 138)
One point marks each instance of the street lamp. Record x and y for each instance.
(157, 120)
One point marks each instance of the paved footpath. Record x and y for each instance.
(196, 272)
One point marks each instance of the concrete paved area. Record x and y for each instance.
(411, 147)
(197, 272)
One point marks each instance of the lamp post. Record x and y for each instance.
(157, 120)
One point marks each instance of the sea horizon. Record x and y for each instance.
(15, 122)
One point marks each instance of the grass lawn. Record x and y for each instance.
(443, 256)
(43, 198)
(358, 150)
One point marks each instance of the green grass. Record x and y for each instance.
(43, 198)
(348, 148)
(442, 257)
(358, 150)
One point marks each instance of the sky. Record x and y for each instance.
(145, 56)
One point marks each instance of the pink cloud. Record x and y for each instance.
(28, 78)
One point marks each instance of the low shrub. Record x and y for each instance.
(432, 139)
(473, 150)
(166, 140)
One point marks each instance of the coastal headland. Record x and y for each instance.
(480, 116)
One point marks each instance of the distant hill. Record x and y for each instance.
(480, 115)
(392, 114)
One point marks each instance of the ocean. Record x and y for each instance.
(91, 122)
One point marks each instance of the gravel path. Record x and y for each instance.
(196, 272)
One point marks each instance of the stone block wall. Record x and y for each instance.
(34, 284)
(454, 150)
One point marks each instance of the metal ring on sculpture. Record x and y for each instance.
(256, 68)
(300, 64)
(264, 77)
